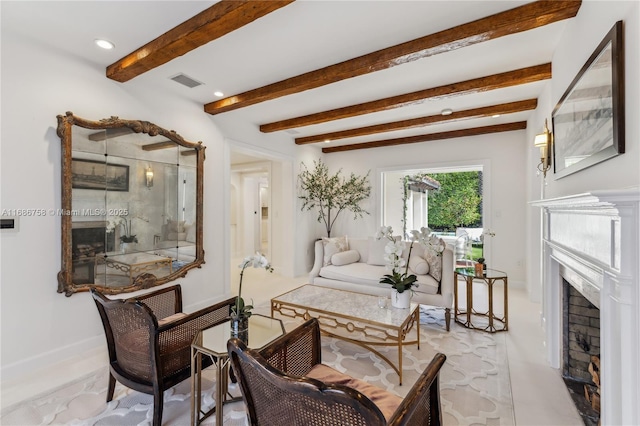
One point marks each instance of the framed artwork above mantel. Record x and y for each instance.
(588, 121)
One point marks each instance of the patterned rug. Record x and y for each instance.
(474, 383)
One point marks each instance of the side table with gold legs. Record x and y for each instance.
(489, 277)
(212, 342)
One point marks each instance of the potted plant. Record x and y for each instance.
(241, 312)
(127, 239)
(332, 194)
(402, 283)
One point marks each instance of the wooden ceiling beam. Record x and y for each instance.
(212, 23)
(519, 19)
(159, 145)
(110, 133)
(506, 108)
(476, 85)
(474, 131)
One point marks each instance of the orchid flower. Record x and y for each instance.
(257, 261)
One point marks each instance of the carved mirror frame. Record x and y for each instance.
(144, 280)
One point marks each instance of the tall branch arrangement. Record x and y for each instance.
(332, 194)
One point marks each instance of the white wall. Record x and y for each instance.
(503, 157)
(38, 324)
(392, 212)
(580, 38)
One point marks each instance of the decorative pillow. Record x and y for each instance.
(376, 251)
(333, 246)
(345, 257)
(190, 229)
(419, 265)
(435, 264)
(175, 225)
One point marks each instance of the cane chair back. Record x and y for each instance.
(149, 340)
(278, 391)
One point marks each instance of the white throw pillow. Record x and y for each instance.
(418, 265)
(376, 251)
(345, 257)
(333, 246)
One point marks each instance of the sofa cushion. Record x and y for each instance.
(419, 265)
(345, 257)
(333, 246)
(435, 264)
(376, 251)
(370, 275)
(176, 236)
(427, 284)
(359, 272)
(386, 401)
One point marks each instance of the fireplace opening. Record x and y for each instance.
(581, 352)
(89, 239)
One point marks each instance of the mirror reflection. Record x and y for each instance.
(133, 193)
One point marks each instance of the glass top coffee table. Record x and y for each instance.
(212, 342)
(353, 317)
(133, 264)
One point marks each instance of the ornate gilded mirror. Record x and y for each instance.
(131, 205)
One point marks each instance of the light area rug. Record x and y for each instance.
(474, 384)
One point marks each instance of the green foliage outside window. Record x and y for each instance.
(458, 202)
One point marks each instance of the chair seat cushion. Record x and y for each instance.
(387, 402)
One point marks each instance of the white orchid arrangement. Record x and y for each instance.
(257, 261)
(429, 240)
(398, 280)
(127, 236)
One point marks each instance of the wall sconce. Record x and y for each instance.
(543, 141)
(149, 176)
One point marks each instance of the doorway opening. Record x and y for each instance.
(250, 202)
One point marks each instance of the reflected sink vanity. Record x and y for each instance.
(131, 205)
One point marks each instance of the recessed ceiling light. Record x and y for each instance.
(495, 116)
(218, 94)
(105, 44)
(327, 140)
(446, 111)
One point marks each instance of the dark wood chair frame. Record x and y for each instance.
(276, 392)
(164, 359)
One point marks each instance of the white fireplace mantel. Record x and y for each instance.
(593, 239)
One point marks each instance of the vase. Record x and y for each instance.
(401, 300)
(127, 247)
(240, 327)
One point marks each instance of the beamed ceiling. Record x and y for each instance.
(346, 75)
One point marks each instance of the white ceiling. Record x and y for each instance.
(300, 37)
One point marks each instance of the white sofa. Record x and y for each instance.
(363, 277)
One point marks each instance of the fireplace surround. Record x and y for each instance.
(592, 240)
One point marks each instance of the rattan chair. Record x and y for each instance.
(278, 388)
(149, 340)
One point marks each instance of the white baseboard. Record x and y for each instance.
(32, 376)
